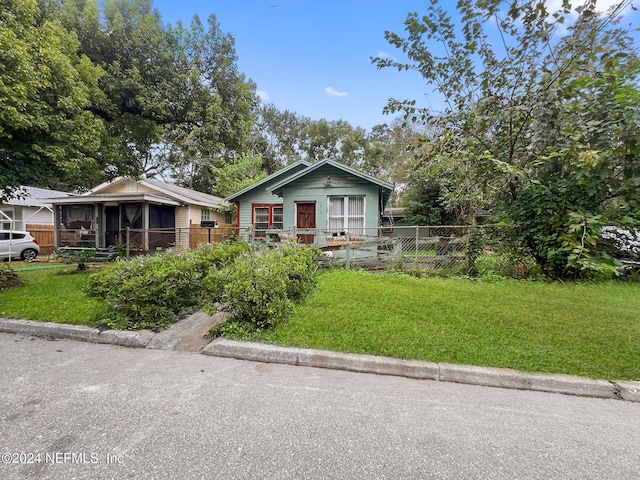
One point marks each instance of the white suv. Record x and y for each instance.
(18, 245)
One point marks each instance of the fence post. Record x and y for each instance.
(347, 255)
(128, 238)
(417, 243)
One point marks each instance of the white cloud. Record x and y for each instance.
(382, 54)
(264, 96)
(334, 93)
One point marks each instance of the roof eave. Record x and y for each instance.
(109, 198)
(233, 197)
(381, 183)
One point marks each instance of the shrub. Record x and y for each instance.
(259, 288)
(151, 292)
(300, 264)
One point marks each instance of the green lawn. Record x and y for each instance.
(51, 295)
(582, 329)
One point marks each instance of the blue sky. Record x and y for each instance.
(313, 56)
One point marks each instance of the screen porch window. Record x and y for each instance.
(346, 213)
(267, 217)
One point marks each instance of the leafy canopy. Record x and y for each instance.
(540, 120)
(46, 88)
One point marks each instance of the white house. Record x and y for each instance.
(29, 207)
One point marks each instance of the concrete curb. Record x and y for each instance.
(186, 334)
(629, 391)
(485, 376)
(138, 339)
(258, 352)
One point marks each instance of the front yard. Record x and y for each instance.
(587, 329)
(51, 295)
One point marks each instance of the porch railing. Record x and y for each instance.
(140, 241)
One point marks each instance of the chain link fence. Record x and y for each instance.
(407, 247)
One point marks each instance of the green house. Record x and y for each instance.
(313, 201)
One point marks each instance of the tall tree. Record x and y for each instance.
(278, 137)
(542, 129)
(175, 102)
(128, 40)
(387, 152)
(48, 135)
(211, 103)
(391, 153)
(237, 174)
(335, 139)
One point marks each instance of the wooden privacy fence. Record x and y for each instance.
(45, 236)
(199, 235)
(146, 240)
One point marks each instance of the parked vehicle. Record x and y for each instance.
(626, 242)
(18, 245)
(626, 247)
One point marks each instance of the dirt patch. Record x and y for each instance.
(9, 280)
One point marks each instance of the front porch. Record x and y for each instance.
(140, 225)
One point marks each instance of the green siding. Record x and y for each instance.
(257, 196)
(261, 194)
(317, 188)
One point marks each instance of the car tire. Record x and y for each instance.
(29, 254)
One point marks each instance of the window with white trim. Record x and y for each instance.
(277, 218)
(205, 214)
(6, 218)
(346, 213)
(267, 217)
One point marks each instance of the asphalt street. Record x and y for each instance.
(81, 410)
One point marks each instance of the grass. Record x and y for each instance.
(585, 329)
(590, 330)
(51, 295)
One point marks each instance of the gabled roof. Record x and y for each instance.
(180, 194)
(35, 197)
(300, 165)
(384, 185)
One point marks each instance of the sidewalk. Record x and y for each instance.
(189, 335)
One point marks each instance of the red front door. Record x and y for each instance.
(306, 218)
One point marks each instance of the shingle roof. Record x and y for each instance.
(184, 195)
(32, 196)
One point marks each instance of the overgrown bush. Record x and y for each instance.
(259, 288)
(492, 253)
(151, 292)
